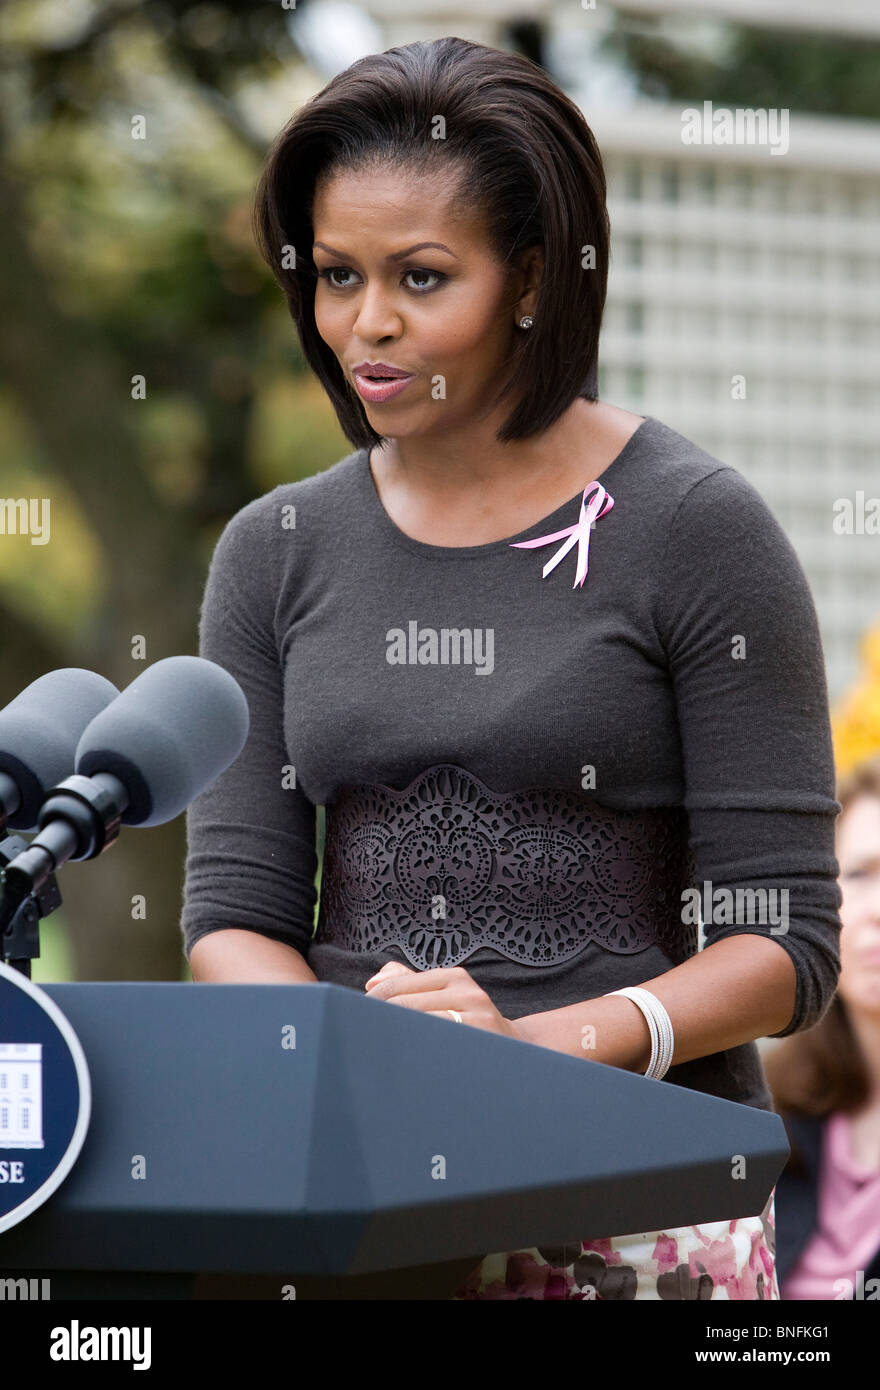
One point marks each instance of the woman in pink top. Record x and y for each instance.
(826, 1086)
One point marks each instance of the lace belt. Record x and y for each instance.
(446, 866)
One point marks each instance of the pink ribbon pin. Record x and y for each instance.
(601, 503)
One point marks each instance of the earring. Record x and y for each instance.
(526, 322)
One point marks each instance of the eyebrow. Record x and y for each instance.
(397, 255)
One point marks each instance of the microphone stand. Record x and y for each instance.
(79, 820)
(21, 910)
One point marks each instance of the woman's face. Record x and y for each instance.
(443, 312)
(858, 854)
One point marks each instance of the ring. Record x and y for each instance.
(455, 1014)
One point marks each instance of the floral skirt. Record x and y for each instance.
(719, 1259)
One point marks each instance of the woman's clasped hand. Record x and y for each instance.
(436, 991)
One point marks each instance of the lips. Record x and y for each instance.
(379, 371)
(377, 382)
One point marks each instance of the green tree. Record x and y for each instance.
(127, 260)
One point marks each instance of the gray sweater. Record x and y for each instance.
(687, 671)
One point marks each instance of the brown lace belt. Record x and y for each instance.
(446, 866)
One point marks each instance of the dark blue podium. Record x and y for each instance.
(250, 1139)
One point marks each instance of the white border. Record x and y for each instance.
(57, 1176)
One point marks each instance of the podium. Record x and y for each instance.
(299, 1141)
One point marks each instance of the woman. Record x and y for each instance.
(826, 1085)
(511, 762)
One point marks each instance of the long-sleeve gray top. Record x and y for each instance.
(687, 670)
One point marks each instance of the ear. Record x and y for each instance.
(529, 275)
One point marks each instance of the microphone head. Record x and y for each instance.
(40, 730)
(168, 736)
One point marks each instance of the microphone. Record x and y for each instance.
(167, 737)
(140, 761)
(39, 733)
(144, 758)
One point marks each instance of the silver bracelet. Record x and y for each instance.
(659, 1024)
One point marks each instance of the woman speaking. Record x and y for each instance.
(552, 669)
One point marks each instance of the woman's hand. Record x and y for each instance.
(434, 991)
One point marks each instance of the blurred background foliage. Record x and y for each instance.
(688, 57)
(123, 258)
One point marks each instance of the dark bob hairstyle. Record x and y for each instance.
(511, 142)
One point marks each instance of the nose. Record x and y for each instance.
(376, 316)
